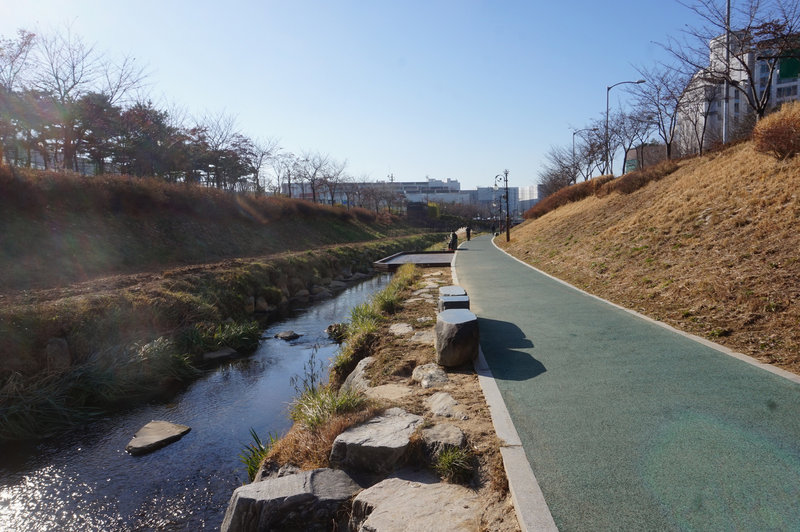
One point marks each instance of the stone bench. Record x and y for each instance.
(457, 337)
(451, 302)
(451, 290)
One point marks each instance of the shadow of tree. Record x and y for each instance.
(500, 342)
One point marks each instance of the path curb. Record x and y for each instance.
(531, 509)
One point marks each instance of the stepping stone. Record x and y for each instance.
(390, 392)
(399, 329)
(457, 337)
(287, 335)
(420, 292)
(429, 375)
(424, 337)
(155, 435)
(442, 404)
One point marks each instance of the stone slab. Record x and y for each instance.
(155, 435)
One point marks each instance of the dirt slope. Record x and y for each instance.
(713, 249)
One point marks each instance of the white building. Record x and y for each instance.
(700, 114)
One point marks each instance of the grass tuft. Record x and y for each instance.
(778, 134)
(254, 453)
(454, 464)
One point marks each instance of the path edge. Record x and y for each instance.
(530, 507)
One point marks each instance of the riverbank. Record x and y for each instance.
(385, 377)
(154, 327)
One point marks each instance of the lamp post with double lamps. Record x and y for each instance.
(504, 177)
(608, 149)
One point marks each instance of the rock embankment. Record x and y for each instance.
(383, 468)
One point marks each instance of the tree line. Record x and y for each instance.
(64, 105)
(764, 36)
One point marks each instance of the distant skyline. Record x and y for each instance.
(442, 89)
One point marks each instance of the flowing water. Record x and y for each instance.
(85, 480)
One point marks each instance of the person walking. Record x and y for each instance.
(469, 232)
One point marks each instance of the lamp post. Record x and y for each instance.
(608, 91)
(504, 177)
(573, 146)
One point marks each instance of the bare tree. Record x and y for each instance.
(660, 99)
(312, 171)
(261, 153)
(14, 54)
(333, 176)
(763, 33)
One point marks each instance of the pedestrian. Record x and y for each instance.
(469, 232)
(494, 227)
(453, 241)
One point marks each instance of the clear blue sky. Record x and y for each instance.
(446, 89)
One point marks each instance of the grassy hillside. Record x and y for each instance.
(59, 229)
(712, 248)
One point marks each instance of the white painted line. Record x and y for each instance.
(721, 348)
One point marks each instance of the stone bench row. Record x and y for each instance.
(456, 331)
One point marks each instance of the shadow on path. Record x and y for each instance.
(500, 341)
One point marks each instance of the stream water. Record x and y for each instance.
(84, 480)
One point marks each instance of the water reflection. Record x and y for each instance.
(84, 480)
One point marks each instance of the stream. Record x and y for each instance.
(84, 480)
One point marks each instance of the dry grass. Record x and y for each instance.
(712, 248)
(311, 449)
(779, 133)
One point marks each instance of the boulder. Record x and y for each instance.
(287, 335)
(57, 356)
(311, 500)
(451, 290)
(155, 435)
(222, 354)
(318, 289)
(378, 444)
(424, 319)
(457, 337)
(398, 504)
(302, 294)
(357, 380)
(429, 375)
(443, 404)
(442, 436)
(399, 329)
(337, 285)
(250, 304)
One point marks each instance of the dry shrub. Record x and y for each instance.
(567, 195)
(779, 133)
(311, 449)
(635, 180)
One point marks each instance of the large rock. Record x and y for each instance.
(309, 500)
(457, 337)
(376, 445)
(358, 381)
(396, 504)
(155, 435)
(429, 375)
(287, 335)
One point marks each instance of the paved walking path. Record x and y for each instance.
(629, 425)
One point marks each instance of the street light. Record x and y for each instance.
(608, 90)
(504, 177)
(573, 145)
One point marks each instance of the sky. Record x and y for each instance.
(446, 89)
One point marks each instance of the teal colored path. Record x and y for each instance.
(629, 425)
